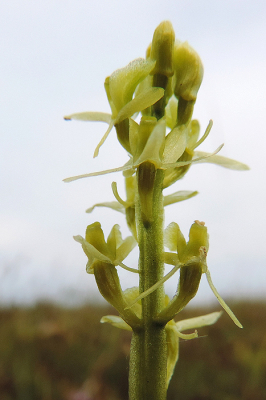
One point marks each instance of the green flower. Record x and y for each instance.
(122, 205)
(113, 252)
(120, 87)
(190, 136)
(103, 256)
(164, 88)
(188, 72)
(173, 329)
(173, 152)
(163, 152)
(191, 259)
(174, 333)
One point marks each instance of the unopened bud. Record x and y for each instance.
(162, 49)
(188, 72)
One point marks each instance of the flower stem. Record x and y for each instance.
(147, 377)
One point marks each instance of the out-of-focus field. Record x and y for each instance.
(52, 353)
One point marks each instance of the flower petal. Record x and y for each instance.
(114, 239)
(193, 133)
(123, 82)
(103, 139)
(221, 301)
(195, 160)
(174, 238)
(122, 265)
(118, 198)
(125, 248)
(187, 336)
(116, 321)
(153, 147)
(125, 167)
(171, 112)
(171, 259)
(130, 295)
(172, 340)
(95, 236)
(155, 286)
(139, 103)
(90, 116)
(133, 135)
(110, 204)
(91, 252)
(198, 322)
(175, 144)
(178, 196)
(206, 133)
(220, 160)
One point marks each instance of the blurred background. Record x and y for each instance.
(55, 56)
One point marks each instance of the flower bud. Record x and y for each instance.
(162, 49)
(188, 72)
(193, 257)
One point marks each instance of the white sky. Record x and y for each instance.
(55, 56)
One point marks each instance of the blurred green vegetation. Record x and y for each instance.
(52, 353)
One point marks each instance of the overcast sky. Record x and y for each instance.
(55, 56)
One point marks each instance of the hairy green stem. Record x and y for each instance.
(148, 358)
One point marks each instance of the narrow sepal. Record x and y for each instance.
(221, 161)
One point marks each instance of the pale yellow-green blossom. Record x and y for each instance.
(112, 251)
(169, 152)
(149, 139)
(174, 333)
(173, 329)
(120, 87)
(197, 246)
(191, 261)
